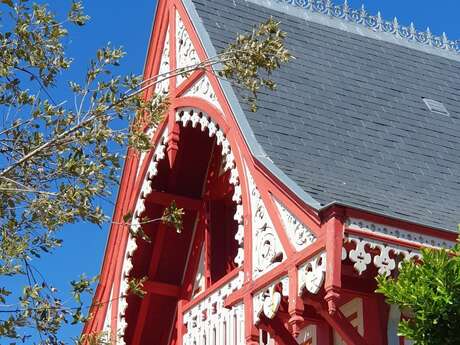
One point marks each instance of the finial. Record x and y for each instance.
(379, 19)
(346, 10)
(362, 14)
(429, 36)
(445, 41)
(395, 25)
(329, 7)
(412, 31)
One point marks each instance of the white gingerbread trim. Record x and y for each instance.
(204, 90)
(398, 233)
(210, 320)
(299, 234)
(187, 116)
(312, 274)
(267, 250)
(186, 55)
(131, 246)
(268, 300)
(385, 260)
(162, 88)
(184, 116)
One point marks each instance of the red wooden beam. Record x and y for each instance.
(334, 220)
(165, 199)
(162, 289)
(194, 257)
(145, 304)
(278, 331)
(337, 321)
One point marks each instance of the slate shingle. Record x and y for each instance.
(348, 123)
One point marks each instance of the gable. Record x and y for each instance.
(348, 123)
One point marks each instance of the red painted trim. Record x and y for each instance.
(312, 223)
(338, 322)
(172, 45)
(142, 317)
(207, 250)
(295, 307)
(278, 331)
(354, 213)
(194, 257)
(333, 228)
(188, 83)
(208, 108)
(290, 200)
(155, 47)
(145, 303)
(276, 219)
(383, 238)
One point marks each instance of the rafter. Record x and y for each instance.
(337, 321)
(162, 289)
(165, 199)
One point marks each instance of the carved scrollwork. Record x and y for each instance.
(186, 55)
(360, 257)
(386, 256)
(300, 236)
(268, 300)
(162, 87)
(376, 23)
(267, 249)
(203, 89)
(311, 274)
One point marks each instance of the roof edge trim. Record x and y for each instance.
(386, 215)
(360, 22)
(248, 135)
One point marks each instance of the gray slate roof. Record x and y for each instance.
(348, 123)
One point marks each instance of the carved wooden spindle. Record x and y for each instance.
(173, 138)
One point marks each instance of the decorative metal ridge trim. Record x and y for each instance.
(376, 23)
(397, 233)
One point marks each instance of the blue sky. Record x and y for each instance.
(128, 23)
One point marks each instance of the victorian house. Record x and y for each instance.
(291, 211)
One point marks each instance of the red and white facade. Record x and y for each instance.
(253, 264)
